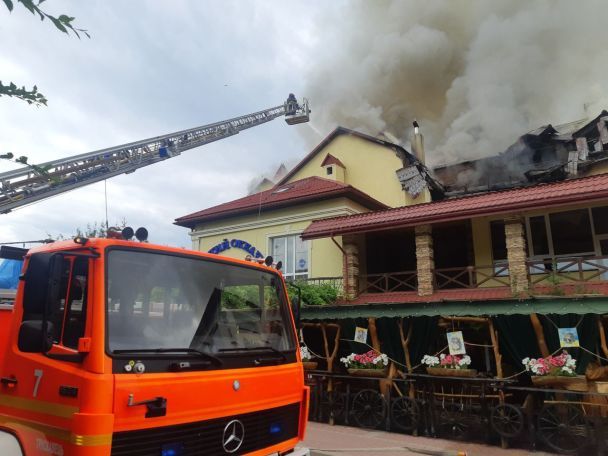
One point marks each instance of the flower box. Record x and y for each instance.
(448, 372)
(370, 364)
(380, 373)
(570, 383)
(310, 365)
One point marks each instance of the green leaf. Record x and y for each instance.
(9, 4)
(57, 23)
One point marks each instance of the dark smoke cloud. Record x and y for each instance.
(476, 74)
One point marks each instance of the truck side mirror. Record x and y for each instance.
(40, 301)
(35, 336)
(295, 309)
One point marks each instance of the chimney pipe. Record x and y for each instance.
(418, 143)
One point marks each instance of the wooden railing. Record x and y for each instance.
(390, 281)
(472, 277)
(568, 270)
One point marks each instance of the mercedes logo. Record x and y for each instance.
(234, 433)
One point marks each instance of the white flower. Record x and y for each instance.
(442, 356)
(567, 370)
(304, 353)
(525, 361)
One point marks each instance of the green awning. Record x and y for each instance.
(583, 305)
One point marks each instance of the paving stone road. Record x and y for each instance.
(326, 440)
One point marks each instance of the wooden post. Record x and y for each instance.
(602, 331)
(385, 385)
(540, 335)
(496, 348)
(405, 343)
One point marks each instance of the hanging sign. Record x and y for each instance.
(568, 337)
(361, 335)
(456, 343)
(236, 244)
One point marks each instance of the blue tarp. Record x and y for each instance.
(9, 273)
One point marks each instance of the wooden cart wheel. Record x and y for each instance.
(368, 409)
(452, 422)
(405, 413)
(563, 427)
(333, 404)
(507, 420)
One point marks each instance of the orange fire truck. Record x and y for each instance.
(116, 347)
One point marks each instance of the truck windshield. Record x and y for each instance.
(162, 301)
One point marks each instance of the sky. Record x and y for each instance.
(475, 74)
(150, 68)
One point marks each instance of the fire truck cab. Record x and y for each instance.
(114, 347)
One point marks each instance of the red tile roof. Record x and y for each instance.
(297, 192)
(585, 189)
(331, 160)
(471, 294)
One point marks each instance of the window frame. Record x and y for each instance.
(551, 254)
(291, 237)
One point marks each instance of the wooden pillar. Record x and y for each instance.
(540, 335)
(385, 385)
(425, 262)
(516, 255)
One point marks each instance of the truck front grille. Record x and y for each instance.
(262, 429)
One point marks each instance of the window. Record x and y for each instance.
(600, 219)
(565, 233)
(499, 245)
(159, 301)
(571, 232)
(538, 234)
(330, 170)
(293, 252)
(69, 314)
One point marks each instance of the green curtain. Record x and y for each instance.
(517, 339)
(587, 329)
(424, 332)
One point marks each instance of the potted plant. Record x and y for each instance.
(369, 364)
(449, 365)
(556, 371)
(307, 358)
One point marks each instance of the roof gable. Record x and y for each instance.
(403, 154)
(331, 160)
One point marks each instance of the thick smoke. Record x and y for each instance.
(475, 74)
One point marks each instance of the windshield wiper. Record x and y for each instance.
(190, 351)
(258, 349)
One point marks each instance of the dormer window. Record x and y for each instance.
(329, 170)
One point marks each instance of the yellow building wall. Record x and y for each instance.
(325, 258)
(370, 167)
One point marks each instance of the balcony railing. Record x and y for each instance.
(571, 270)
(389, 282)
(472, 277)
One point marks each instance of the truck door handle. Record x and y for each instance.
(8, 381)
(156, 406)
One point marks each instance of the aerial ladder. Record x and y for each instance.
(26, 185)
